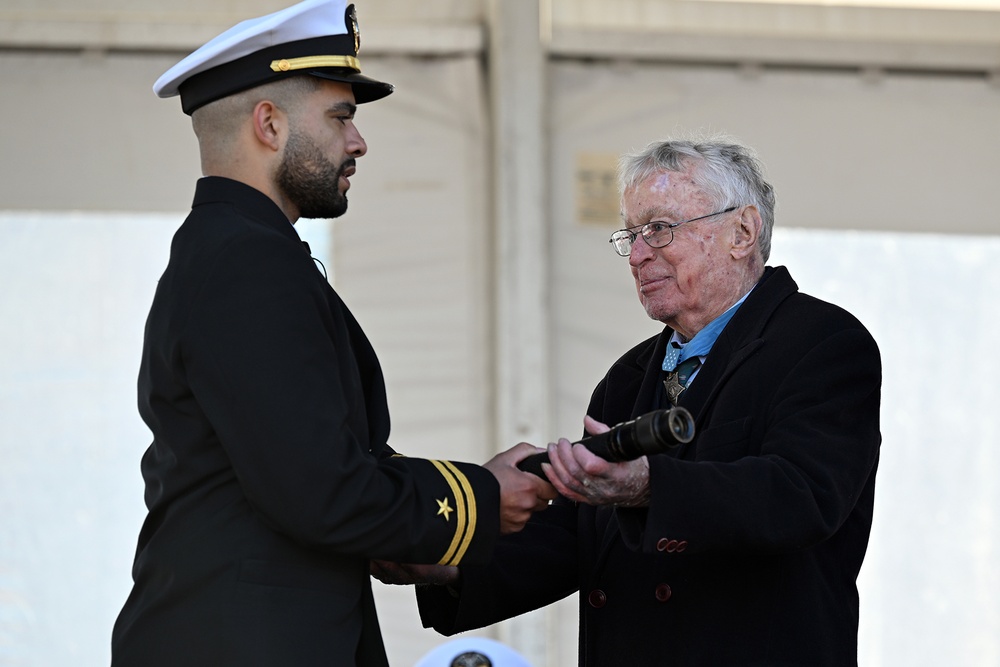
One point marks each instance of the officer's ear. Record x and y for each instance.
(270, 125)
(746, 231)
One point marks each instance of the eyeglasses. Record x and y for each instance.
(656, 234)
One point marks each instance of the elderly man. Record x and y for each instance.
(742, 547)
(269, 482)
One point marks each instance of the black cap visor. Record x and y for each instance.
(366, 89)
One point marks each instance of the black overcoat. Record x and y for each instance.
(751, 547)
(269, 481)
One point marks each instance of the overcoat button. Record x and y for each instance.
(597, 598)
(663, 592)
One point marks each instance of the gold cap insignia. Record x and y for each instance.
(352, 24)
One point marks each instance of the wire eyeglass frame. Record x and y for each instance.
(653, 233)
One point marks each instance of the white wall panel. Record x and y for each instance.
(77, 289)
(86, 132)
(410, 257)
(929, 299)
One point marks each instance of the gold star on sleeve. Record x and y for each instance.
(443, 508)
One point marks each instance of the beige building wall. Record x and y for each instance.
(875, 120)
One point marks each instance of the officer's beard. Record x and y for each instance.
(310, 181)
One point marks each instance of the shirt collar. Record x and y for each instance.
(679, 351)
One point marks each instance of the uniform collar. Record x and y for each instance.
(249, 201)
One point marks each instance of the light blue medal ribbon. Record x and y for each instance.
(677, 353)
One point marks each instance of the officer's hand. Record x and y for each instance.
(521, 493)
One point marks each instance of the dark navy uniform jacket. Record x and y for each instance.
(269, 482)
(750, 549)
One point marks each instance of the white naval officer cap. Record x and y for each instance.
(472, 652)
(316, 37)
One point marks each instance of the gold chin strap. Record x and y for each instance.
(307, 62)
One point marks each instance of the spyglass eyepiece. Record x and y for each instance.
(651, 433)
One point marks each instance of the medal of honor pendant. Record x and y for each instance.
(673, 387)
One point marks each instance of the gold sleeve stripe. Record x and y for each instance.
(465, 515)
(460, 521)
(470, 502)
(308, 62)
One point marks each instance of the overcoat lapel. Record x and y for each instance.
(645, 400)
(739, 341)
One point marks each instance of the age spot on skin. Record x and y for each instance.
(661, 184)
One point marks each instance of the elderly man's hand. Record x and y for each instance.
(580, 475)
